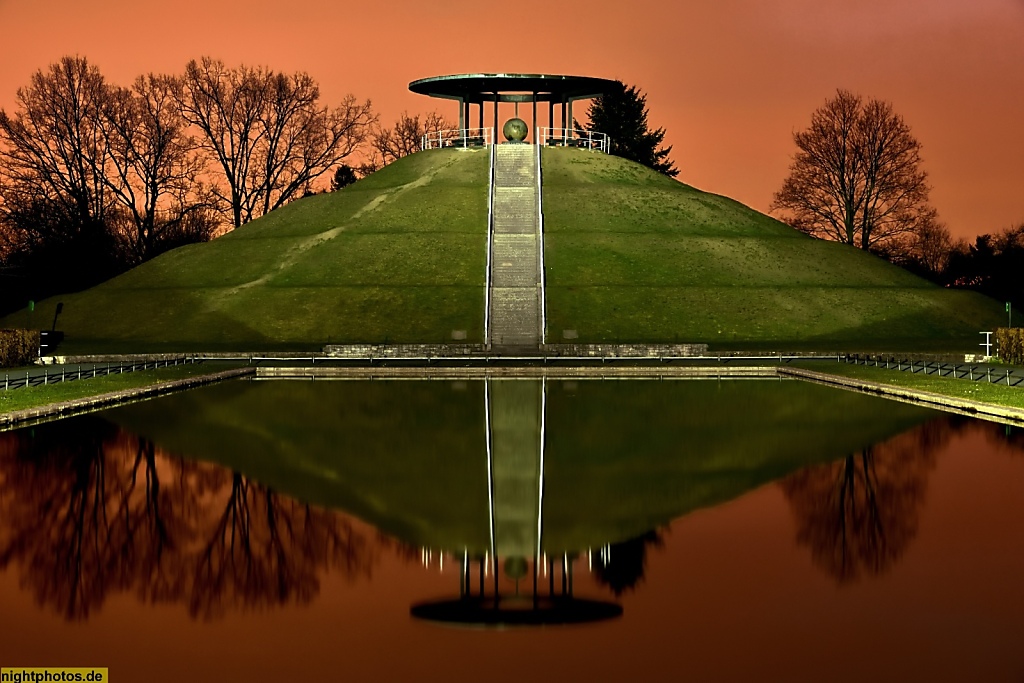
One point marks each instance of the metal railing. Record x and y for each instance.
(574, 137)
(462, 138)
(973, 372)
(70, 373)
(540, 251)
(490, 235)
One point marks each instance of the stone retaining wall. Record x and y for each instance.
(626, 350)
(525, 371)
(572, 350)
(402, 350)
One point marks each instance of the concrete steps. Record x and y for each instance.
(515, 315)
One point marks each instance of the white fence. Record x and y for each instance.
(572, 137)
(464, 138)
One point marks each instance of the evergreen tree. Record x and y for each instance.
(621, 113)
(344, 176)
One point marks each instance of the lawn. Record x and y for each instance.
(634, 256)
(631, 256)
(996, 394)
(396, 257)
(33, 397)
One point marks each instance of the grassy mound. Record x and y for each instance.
(633, 255)
(397, 257)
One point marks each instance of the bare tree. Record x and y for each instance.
(402, 139)
(153, 169)
(925, 250)
(856, 176)
(52, 155)
(267, 132)
(94, 178)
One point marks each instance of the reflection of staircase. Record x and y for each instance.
(515, 315)
(515, 409)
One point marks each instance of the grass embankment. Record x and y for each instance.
(34, 397)
(633, 255)
(397, 257)
(996, 394)
(621, 457)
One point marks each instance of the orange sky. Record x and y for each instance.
(730, 80)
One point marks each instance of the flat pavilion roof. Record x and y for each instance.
(478, 88)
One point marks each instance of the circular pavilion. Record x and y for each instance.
(530, 89)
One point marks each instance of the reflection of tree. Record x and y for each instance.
(859, 514)
(1004, 437)
(264, 550)
(622, 566)
(57, 520)
(408, 553)
(86, 510)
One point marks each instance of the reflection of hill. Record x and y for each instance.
(635, 455)
(405, 456)
(622, 457)
(859, 514)
(88, 511)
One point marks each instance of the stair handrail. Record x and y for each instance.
(490, 246)
(540, 251)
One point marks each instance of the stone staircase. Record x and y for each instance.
(515, 315)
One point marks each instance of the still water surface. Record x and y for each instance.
(708, 530)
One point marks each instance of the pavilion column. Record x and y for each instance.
(495, 118)
(465, 119)
(481, 114)
(462, 113)
(551, 112)
(570, 114)
(536, 137)
(565, 114)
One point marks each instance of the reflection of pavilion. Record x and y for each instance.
(514, 415)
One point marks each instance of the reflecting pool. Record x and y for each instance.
(716, 530)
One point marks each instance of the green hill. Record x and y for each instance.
(631, 256)
(634, 255)
(397, 257)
